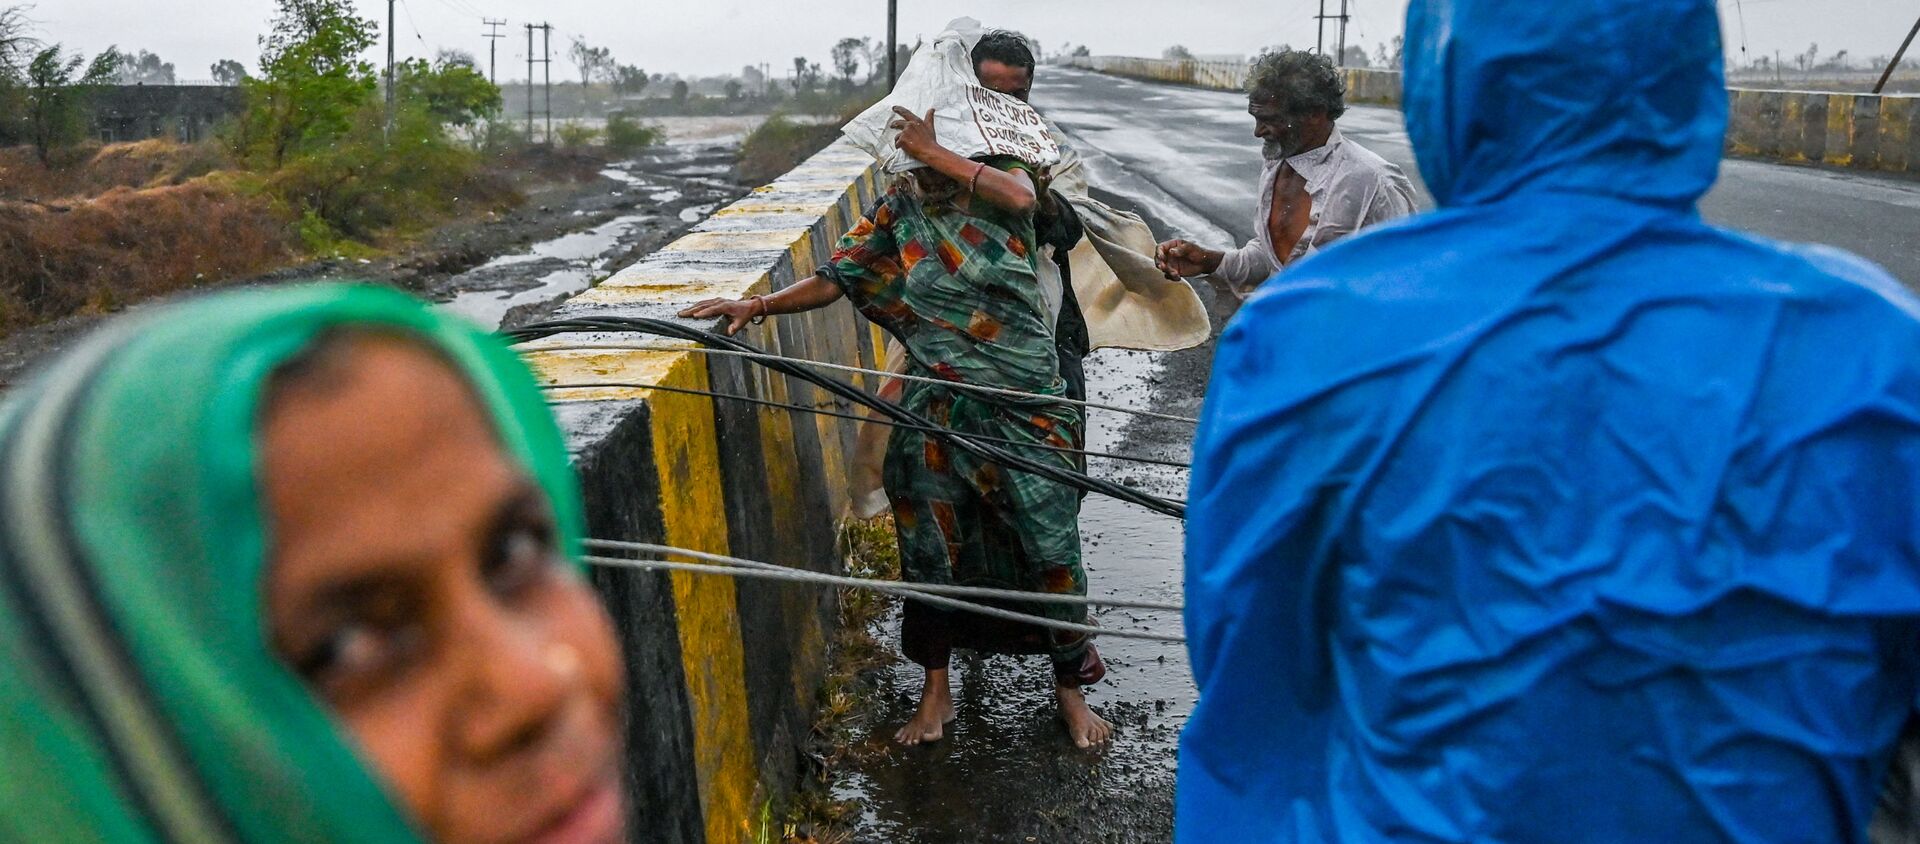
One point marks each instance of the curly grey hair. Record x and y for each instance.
(1305, 82)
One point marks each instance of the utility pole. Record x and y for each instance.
(1897, 56)
(1320, 36)
(387, 129)
(1341, 59)
(546, 71)
(546, 66)
(1320, 45)
(893, 43)
(529, 83)
(493, 44)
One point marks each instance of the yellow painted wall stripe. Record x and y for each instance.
(705, 264)
(693, 503)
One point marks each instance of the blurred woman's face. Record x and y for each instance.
(415, 584)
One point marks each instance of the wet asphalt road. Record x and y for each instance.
(1196, 148)
(1185, 159)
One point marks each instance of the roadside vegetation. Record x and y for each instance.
(780, 144)
(811, 118)
(314, 166)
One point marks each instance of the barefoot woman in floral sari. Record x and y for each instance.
(945, 262)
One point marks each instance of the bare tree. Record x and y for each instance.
(17, 46)
(806, 75)
(1806, 59)
(591, 61)
(1177, 52)
(228, 72)
(847, 56)
(877, 61)
(143, 68)
(453, 57)
(628, 79)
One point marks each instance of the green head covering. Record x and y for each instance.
(139, 697)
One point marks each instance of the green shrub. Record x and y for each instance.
(626, 135)
(366, 184)
(499, 137)
(576, 135)
(779, 145)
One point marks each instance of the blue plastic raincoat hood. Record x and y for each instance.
(1557, 514)
(1611, 99)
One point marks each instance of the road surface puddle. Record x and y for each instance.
(1006, 770)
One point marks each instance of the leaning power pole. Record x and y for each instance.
(893, 43)
(493, 44)
(1897, 56)
(387, 128)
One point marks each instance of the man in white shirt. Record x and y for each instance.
(1318, 185)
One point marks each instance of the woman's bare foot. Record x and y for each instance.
(930, 721)
(1083, 726)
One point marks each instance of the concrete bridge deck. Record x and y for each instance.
(1185, 158)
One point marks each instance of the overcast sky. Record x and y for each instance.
(705, 37)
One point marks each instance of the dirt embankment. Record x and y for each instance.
(124, 223)
(112, 226)
(129, 244)
(109, 228)
(561, 192)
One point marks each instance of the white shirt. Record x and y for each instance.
(1350, 188)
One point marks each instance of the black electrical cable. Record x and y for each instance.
(964, 442)
(925, 429)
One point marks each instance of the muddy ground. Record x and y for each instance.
(567, 235)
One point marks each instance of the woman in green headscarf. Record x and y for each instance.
(295, 565)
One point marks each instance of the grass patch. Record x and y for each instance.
(871, 550)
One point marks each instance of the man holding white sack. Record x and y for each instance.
(946, 263)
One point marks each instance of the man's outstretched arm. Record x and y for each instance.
(1237, 270)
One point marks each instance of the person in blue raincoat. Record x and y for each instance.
(1558, 514)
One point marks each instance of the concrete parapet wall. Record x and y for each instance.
(1855, 131)
(722, 674)
(1363, 85)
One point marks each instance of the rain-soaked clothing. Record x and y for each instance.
(1348, 187)
(960, 291)
(1558, 514)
